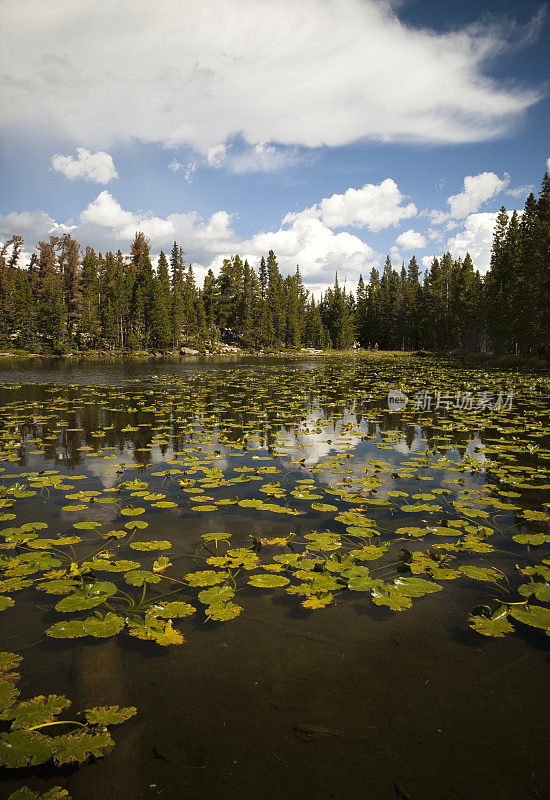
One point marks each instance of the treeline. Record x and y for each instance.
(68, 300)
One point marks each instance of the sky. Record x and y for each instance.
(334, 132)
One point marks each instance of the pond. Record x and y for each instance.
(303, 593)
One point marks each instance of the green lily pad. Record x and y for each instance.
(89, 596)
(136, 524)
(87, 526)
(205, 578)
(389, 595)
(25, 749)
(216, 595)
(109, 715)
(536, 616)
(138, 577)
(536, 589)
(155, 630)
(318, 601)
(416, 587)
(174, 609)
(8, 693)
(538, 516)
(97, 626)
(37, 711)
(56, 793)
(222, 612)
(79, 746)
(267, 581)
(153, 545)
(6, 602)
(481, 573)
(494, 624)
(104, 565)
(534, 539)
(215, 537)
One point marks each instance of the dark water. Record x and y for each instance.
(343, 702)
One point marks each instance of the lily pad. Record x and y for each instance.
(79, 746)
(488, 623)
(25, 749)
(535, 616)
(109, 715)
(268, 581)
(89, 596)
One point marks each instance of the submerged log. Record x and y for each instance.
(99, 681)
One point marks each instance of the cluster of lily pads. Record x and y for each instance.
(30, 740)
(362, 501)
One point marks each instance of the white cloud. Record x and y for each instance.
(476, 239)
(188, 169)
(31, 225)
(477, 190)
(306, 242)
(216, 155)
(521, 191)
(106, 212)
(263, 157)
(548, 164)
(427, 261)
(396, 256)
(409, 240)
(315, 248)
(375, 206)
(434, 235)
(309, 74)
(97, 167)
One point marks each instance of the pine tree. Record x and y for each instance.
(69, 266)
(293, 316)
(413, 309)
(90, 327)
(23, 311)
(543, 276)
(496, 319)
(275, 300)
(189, 305)
(210, 300)
(177, 286)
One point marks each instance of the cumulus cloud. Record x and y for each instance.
(548, 164)
(409, 240)
(31, 225)
(310, 74)
(476, 239)
(375, 206)
(97, 167)
(319, 252)
(106, 212)
(477, 190)
(307, 241)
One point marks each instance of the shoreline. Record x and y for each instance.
(471, 360)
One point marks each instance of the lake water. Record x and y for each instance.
(285, 700)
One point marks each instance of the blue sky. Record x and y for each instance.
(332, 131)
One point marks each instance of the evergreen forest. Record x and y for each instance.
(69, 298)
